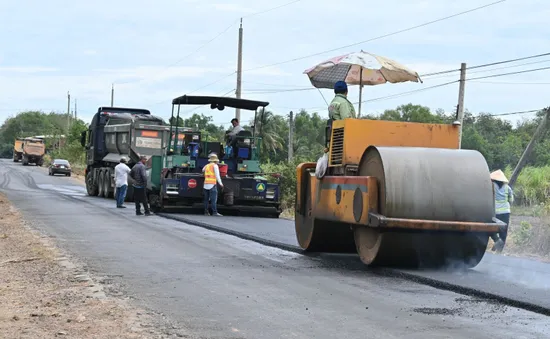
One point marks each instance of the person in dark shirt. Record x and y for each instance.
(139, 175)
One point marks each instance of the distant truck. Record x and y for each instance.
(18, 149)
(116, 132)
(33, 151)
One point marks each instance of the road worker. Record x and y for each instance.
(504, 196)
(340, 107)
(210, 190)
(139, 175)
(121, 182)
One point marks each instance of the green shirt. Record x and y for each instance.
(341, 108)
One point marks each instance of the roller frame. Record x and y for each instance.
(346, 224)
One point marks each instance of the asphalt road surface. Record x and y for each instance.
(516, 279)
(221, 286)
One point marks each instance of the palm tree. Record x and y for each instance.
(272, 137)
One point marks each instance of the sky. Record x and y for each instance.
(154, 51)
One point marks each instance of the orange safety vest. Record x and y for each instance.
(209, 174)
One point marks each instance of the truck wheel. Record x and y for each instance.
(90, 187)
(100, 184)
(130, 193)
(155, 203)
(106, 184)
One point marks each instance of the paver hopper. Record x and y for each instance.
(399, 194)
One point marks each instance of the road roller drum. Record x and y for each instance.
(426, 184)
(406, 206)
(414, 199)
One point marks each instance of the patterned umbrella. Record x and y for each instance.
(359, 68)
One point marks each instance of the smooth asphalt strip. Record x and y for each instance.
(212, 285)
(516, 282)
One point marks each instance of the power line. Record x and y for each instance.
(510, 73)
(511, 83)
(489, 64)
(493, 69)
(216, 37)
(378, 37)
(514, 113)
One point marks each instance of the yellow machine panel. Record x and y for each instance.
(361, 133)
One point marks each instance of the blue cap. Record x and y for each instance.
(340, 85)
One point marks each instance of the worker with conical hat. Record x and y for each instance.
(504, 196)
(211, 178)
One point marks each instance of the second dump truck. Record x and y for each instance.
(18, 149)
(117, 132)
(33, 151)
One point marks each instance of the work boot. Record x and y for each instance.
(498, 246)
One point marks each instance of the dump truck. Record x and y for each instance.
(18, 149)
(117, 132)
(398, 194)
(33, 151)
(176, 179)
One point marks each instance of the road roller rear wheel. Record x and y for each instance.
(412, 184)
(319, 235)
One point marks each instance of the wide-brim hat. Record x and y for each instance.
(498, 175)
(213, 158)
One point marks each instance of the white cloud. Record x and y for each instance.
(134, 41)
(27, 69)
(232, 7)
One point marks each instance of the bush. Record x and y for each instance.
(532, 187)
(288, 180)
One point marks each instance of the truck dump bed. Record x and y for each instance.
(34, 147)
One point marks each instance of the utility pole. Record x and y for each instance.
(112, 94)
(460, 108)
(239, 70)
(75, 107)
(291, 136)
(525, 156)
(68, 111)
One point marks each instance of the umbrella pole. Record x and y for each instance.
(360, 90)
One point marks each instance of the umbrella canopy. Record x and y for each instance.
(359, 68)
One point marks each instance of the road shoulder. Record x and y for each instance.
(43, 294)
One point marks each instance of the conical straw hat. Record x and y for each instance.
(498, 175)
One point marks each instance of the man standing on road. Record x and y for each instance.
(121, 182)
(139, 174)
(210, 190)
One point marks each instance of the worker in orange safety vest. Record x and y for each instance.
(210, 190)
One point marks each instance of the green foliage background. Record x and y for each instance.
(498, 140)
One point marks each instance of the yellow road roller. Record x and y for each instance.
(399, 194)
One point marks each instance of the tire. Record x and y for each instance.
(100, 183)
(130, 194)
(91, 189)
(106, 183)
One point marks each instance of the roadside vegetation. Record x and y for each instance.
(44, 295)
(498, 140)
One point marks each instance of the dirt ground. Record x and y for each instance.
(44, 295)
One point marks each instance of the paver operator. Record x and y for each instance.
(210, 190)
(232, 135)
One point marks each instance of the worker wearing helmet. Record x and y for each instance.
(504, 196)
(341, 108)
(210, 190)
